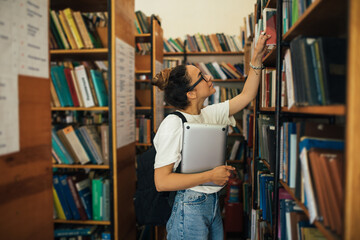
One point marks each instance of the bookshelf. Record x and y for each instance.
(320, 19)
(150, 99)
(120, 170)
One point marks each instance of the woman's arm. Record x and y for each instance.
(252, 83)
(166, 180)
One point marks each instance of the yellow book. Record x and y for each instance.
(73, 28)
(67, 30)
(82, 29)
(57, 205)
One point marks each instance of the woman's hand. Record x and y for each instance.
(261, 47)
(220, 175)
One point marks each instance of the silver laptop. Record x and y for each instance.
(204, 147)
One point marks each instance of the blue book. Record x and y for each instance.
(61, 86)
(106, 200)
(105, 236)
(60, 149)
(69, 198)
(309, 142)
(74, 232)
(264, 178)
(84, 189)
(100, 88)
(85, 145)
(62, 198)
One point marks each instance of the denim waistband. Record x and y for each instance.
(189, 190)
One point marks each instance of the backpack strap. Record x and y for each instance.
(180, 115)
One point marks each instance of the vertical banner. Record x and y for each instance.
(125, 93)
(24, 50)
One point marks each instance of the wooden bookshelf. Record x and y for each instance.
(203, 53)
(143, 144)
(271, 4)
(327, 233)
(270, 59)
(142, 72)
(338, 110)
(143, 108)
(316, 20)
(87, 222)
(79, 109)
(228, 80)
(79, 54)
(78, 166)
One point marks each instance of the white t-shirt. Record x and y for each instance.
(168, 139)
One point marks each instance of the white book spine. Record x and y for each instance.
(83, 82)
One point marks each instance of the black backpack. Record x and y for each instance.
(152, 207)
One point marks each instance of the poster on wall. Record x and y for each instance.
(125, 93)
(24, 50)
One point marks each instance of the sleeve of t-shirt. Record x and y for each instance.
(219, 114)
(168, 142)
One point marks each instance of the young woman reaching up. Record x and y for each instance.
(196, 213)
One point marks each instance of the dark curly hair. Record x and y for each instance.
(175, 83)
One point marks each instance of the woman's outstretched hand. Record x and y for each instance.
(261, 47)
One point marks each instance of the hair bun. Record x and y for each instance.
(162, 78)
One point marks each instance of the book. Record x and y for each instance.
(83, 83)
(97, 198)
(60, 149)
(84, 189)
(73, 144)
(71, 183)
(62, 198)
(73, 27)
(82, 29)
(99, 86)
(61, 86)
(57, 205)
(69, 198)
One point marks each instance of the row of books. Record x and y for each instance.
(222, 94)
(293, 222)
(143, 48)
(292, 11)
(142, 22)
(78, 85)
(268, 88)
(171, 62)
(79, 117)
(247, 126)
(75, 30)
(267, 24)
(81, 145)
(311, 162)
(218, 42)
(78, 197)
(237, 151)
(221, 70)
(315, 71)
(143, 129)
(81, 233)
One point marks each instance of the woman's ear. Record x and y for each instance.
(191, 95)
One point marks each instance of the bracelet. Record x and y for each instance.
(257, 68)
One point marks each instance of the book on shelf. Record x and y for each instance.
(143, 21)
(62, 198)
(269, 26)
(74, 232)
(84, 189)
(320, 78)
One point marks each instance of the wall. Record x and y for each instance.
(181, 17)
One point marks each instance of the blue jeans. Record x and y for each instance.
(195, 216)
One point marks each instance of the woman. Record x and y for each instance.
(196, 213)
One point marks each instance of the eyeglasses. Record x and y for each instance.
(202, 77)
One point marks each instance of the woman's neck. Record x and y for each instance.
(193, 109)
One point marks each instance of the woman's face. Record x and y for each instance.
(201, 83)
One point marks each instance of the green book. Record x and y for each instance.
(97, 199)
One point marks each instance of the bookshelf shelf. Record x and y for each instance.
(89, 166)
(78, 51)
(89, 222)
(79, 109)
(338, 110)
(202, 53)
(271, 4)
(142, 35)
(79, 54)
(270, 59)
(266, 164)
(143, 108)
(327, 233)
(143, 144)
(228, 80)
(317, 21)
(142, 71)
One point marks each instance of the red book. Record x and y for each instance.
(70, 82)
